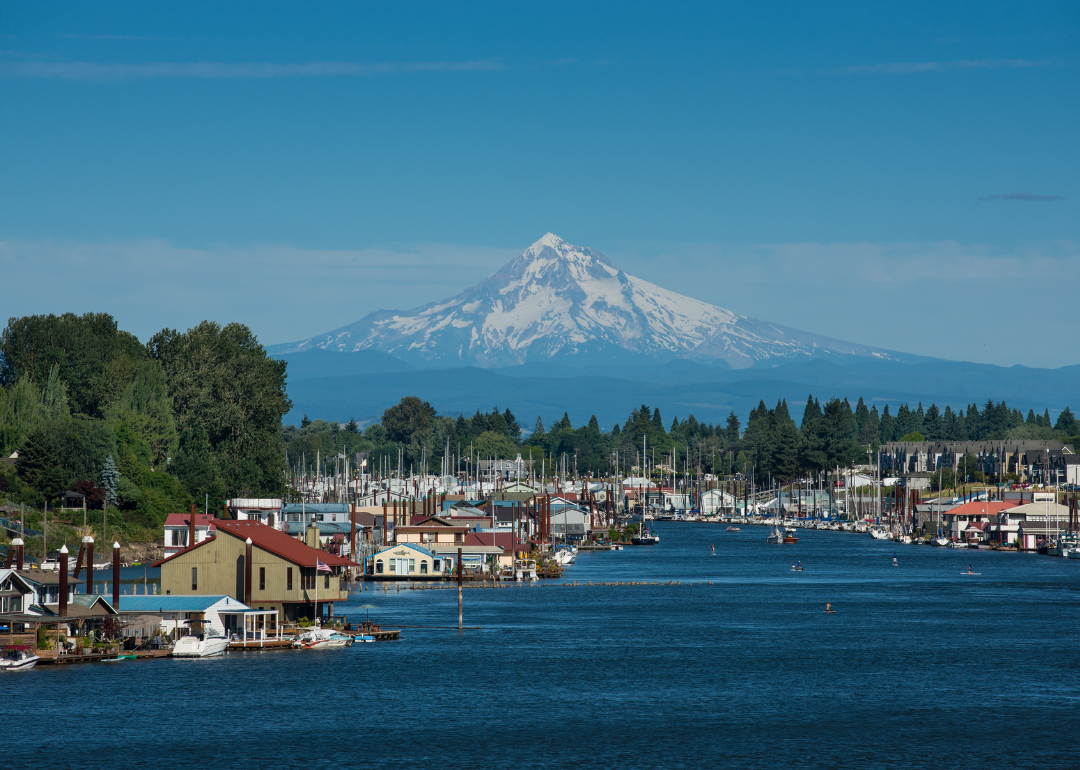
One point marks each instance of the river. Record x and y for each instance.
(920, 666)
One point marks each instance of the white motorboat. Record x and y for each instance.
(321, 638)
(957, 544)
(1073, 553)
(940, 541)
(17, 658)
(201, 644)
(879, 533)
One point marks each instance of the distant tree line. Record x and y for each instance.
(772, 443)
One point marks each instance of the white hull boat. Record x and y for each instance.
(879, 534)
(14, 659)
(775, 536)
(320, 639)
(204, 645)
(941, 542)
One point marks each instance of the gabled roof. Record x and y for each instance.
(280, 544)
(146, 603)
(432, 522)
(979, 508)
(272, 541)
(46, 578)
(184, 520)
(413, 546)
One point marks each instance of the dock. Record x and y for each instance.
(55, 660)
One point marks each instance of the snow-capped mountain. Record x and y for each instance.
(556, 300)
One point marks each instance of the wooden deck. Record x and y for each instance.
(55, 660)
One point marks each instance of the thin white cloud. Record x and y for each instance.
(93, 71)
(912, 68)
(1020, 196)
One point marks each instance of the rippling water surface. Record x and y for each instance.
(737, 665)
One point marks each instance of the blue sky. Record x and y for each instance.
(902, 175)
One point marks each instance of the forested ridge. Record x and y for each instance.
(189, 416)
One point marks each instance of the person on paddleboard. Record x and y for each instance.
(894, 560)
(969, 570)
(828, 607)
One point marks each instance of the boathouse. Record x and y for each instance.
(175, 610)
(260, 566)
(404, 561)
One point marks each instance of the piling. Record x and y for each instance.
(64, 582)
(17, 544)
(88, 546)
(116, 575)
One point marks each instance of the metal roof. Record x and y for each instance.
(145, 603)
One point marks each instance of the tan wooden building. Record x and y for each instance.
(262, 567)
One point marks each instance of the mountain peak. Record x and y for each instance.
(557, 299)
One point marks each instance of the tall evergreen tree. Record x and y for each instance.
(810, 412)
(110, 480)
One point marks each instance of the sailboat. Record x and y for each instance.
(644, 537)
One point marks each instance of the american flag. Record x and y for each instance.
(320, 567)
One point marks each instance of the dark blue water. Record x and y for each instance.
(919, 667)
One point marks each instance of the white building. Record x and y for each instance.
(174, 610)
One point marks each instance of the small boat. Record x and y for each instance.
(957, 544)
(775, 536)
(363, 638)
(1073, 553)
(203, 644)
(321, 638)
(733, 529)
(789, 535)
(879, 533)
(940, 541)
(118, 658)
(17, 657)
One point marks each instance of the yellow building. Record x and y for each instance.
(261, 567)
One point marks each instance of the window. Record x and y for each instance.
(393, 565)
(378, 566)
(327, 576)
(288, 579)
(262, 578)
(412, 565)
(423, 568)
(194, 578)
(459, 538)
(435, 565)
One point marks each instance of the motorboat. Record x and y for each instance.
(957, 544)
(201, 644)
(940, 541)
(322, 638)
(789, 535)
(733, 529)
(879, 533)
(17, 657)
(1073, 553)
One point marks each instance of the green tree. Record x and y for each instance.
(110, 480)
(410, 419)
(221, 378)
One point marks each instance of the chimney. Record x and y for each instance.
(247, 572)
(312, 536)
(63, 581)
(116, 576)
(225, 510)
(88, 544)
(191, 527)
(17, 544)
